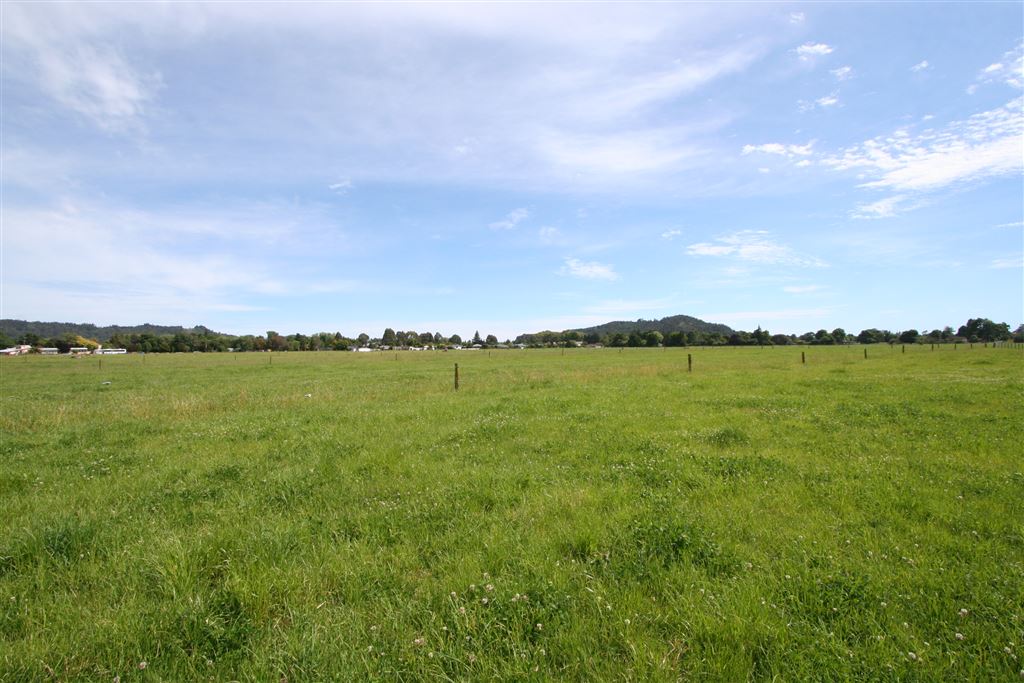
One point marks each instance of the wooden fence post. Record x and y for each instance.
(456, 377)
(803, 358)
(689, 362)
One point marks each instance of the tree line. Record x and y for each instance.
(974, 330)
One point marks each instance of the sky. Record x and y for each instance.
(510, 168)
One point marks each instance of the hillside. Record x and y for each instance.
(48, 330)
(673, 323)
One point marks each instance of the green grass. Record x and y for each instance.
(592, 515)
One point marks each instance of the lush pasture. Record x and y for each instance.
(591, 515)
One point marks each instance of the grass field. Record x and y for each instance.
(595, 515)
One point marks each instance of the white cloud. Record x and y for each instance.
(509, 222)
(801, 289)
(985, 145)
(797, 17)
(829, 100)
(591, 270)
(779, 149)
(920, 66)
(1014, 224)
(342, 186)
(1009, 70)
(671, 234)
(92, 78)
(754, 246)
(842, 73)
(803, 163)
(809, 51)
(883, 208)
(1011, 262)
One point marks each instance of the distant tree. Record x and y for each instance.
(30, 338)
(983, 329)
(363, 339)
(455, 339)
(491, 340)
(617, 339)
(676, 338)
(388, 338)
(592, 338)
(870, 336)
(426, 339)
(839, 335)
(1018, 334)
(761, 337)
(781, 340)
(653, 338)
(909, 336)
(635, 339)
(438, 339)
(476, 338)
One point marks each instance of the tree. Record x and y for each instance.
(839, 335)
(653, 338)
(491, 340)
(455, 339)
(909, 336)
(761, 337)
(983, 329)
(363, 339)
(476, 338)
(388, 338)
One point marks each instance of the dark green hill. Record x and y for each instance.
(673, 323)
(48, 330)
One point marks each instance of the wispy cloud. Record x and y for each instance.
(342, 186)
(510, 221)
(91, 78)
(829, 100)
(779, 149)
(801, 289)
(1009, 70)
(809, 51)
(842, 73)
(883, 208)
(754, 246)
(1010, 262)
(984, 145)
(920, 66)
(797, 17)
(1014, 224)
(588, 270)
(671, 234)
(551, 236)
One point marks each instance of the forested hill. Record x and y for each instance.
(673, 323)
(47, 330)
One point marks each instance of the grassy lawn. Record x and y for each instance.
(586, 515)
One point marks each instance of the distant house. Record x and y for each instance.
(78, 349)
(16, 350)
(362, 349)
(109, 352)
(49, 351)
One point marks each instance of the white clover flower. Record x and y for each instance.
(959, 636)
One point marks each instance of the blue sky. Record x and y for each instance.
(511, 168)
